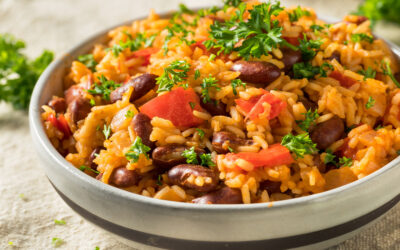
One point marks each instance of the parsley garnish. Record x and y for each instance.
(378, 127)
(370, 103)
(83, 168)
(174, 74)
(298, 13)
(316, 27)
(234, 3)
(346, 42)
(309, 120)
(184, 9)
(201, 133)
(89, 61)
(237, 83)
(174, 30)
(330, 157)
(104, 88)
(106, 131)
(362, 37)
(300, 145)
(344, 161)
(196, 74)
(212, 57)
(208, 83)
(388, 71)
(57, 242)
(308, 48)
(369, 73)
(231, 149)
(133, 44)
(191, 157)
(159, 180)
(137, 148)
(92, 102)
(129, 114)
(306, 70)
(192, 104)
(206, 160)
(60, 222)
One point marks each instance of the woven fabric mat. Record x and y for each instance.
(28, 221)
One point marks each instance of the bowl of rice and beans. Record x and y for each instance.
(253, 104)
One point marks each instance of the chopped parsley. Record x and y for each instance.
(344, 161)
(92, 102)
(300, 144)
(370, 103)
(307, 70)
(59, 222)
(330, 157)
(310, 118)
(206, 160)
(378, 127)
(346, 42)
(237, 83)
(297, 13)
(196, 74)
(191, 157)
(104, 88)
(159, 180)
(57, 242)
(201, 133)
(88, 61)
(208, 83)
(129, 114)
(368, 73)
(83, 168)
(177, 30)
(174, 74)
(106, 131)
(133, 44)
(137, 148)
(388, 71)
(309, 48)
(212, 57)
(192, 105)
(316, 28)
(234, 3)
(359, 37)
(231, 150)
(184, 9)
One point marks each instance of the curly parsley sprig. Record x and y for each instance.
(300, 144)
(174, 74)
(137, 148)
(208, 82)
(104, 88)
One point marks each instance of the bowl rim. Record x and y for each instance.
(38, 133)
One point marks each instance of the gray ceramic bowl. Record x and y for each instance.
(316, 221)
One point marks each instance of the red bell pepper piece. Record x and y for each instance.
(176, 107)
(61, 124)
(345, 81)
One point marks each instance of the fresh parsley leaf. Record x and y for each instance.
(60, 222)
(369, 73)
(346, 42)
(208, 83)
(92, 102)
(192, 104)
(310, 119)
(190, 155)
(378, 127)
(388, 71)
(316, 27)
(176, 30)
(300, 144)
(309, 48)
(57, 242)
(184, 9)
(196, 74)
(344, 161)
(307, 70)
(359, 37)
(370, 103)
(159, 180)
(18, 74)
(237, 83)
(206, 160)
(88, 61)
(129, 114)
(201, 133)
(133, 44)
(83, 168)
(212, 57)
(174, 74)
(297, 13)
(106, 131)
(137, 148)
(234, 3)
(231, 150)
(104, 88)
(330, 157)
(380, 10)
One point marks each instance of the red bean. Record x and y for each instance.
(214, 107)
(122, 177)
(179, 175)
(141, 85)
(141, 124)
(326, 133)
(224, 140)
(271, 186)
(166, 157)
(290, 57)
(256, 72)
(58, 104)
(225, 195)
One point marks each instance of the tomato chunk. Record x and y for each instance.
(256, 109)
(292, 40)
(175, 106)
(145, 54)
(275, 155)
(345, 81)
(61, 124)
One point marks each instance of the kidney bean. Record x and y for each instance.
(72, 93)
(290, 58)
(93, 156)
(99, 176)
(319, 164)
(214, 107)
(79, 109)
(223, 139)
(142, 126)
(225, 195)
(58, 104)
(309, 105)
(180, 174)
(256, 72)
(271, 186)
(122, 177)
(166, 157)
(335, 55)
(141, 85)
(326, 133)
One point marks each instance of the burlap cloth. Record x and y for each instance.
(58, 25)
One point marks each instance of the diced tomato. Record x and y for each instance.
(199, 44)
(145, 54)
(254, 106)
(345, 150)
(275, 155)
(345, 81)
(292, 40)
(176, 107)
(61, 124)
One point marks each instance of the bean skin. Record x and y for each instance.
(309, 105)
(79, 109)
(93, 156)
(214, 107)
(262, 73)
(141, 124)
(225, 195)
(141, 85)
(290, 58)
(271, 186)
(335, 55)
(166, 157)
(122, 177)
(326, 133)
(179, 175)
(58, 104)
(223, 139)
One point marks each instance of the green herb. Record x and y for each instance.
(234, 3)
(309, 48)
(104, 88)
(184, 9)
(316, 27)
(83, 168)
(344, 161)
(300, 145)
(106, 131)
(60, 222)
(88, 61)
(298, 13)
(370, 103)
(98, 128)
(208, 83)
(176, 30)
(92, 102)
(330, 157)
(206, 160)
(231, 150)
(212, 57)
(388, 71)
(97, 248)
(174, 74)
(201, 133)
(190, 155)
(378, 127)
(129, 114)
(306, 70)
(380, 10)
(137, 148)
(310, 118)
(346, 42)
(348, 129)
(196, 74)
(359, 37)
(369, 73)
(18, 74)
(133, 44)
(57, 242)
(237, 83)
(159, 180)
(192, 104)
